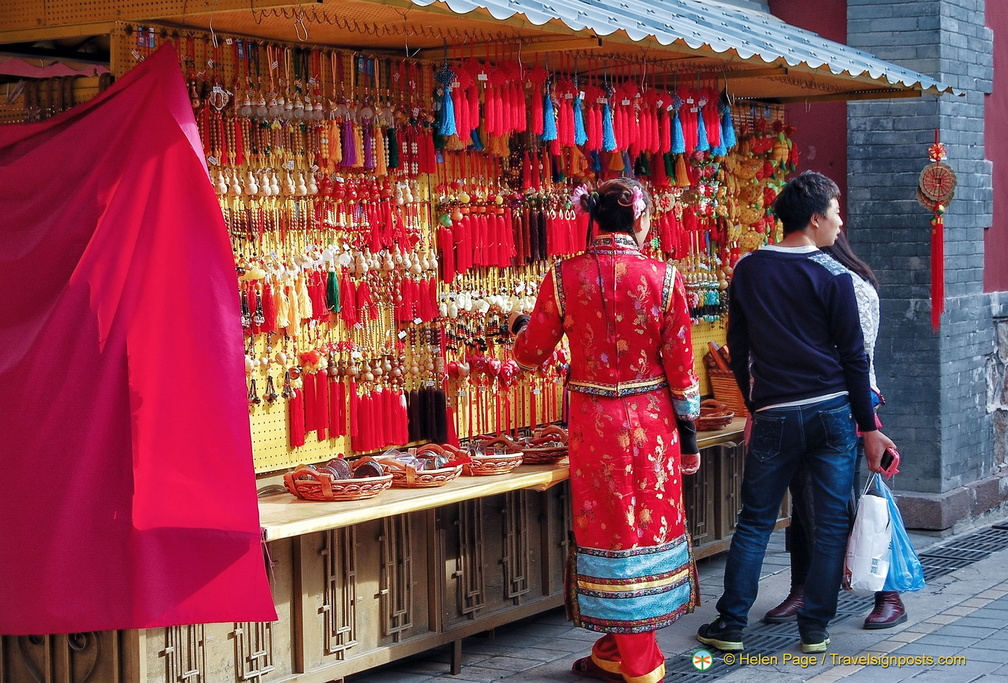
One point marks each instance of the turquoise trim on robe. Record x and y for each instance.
(635, 590)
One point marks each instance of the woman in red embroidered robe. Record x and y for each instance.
(633, 398)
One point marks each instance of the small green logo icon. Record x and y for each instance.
(702, 660)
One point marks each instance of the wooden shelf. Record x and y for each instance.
(284, 516)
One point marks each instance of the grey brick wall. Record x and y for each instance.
(935, 383)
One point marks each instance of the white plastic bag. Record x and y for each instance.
(869, 547)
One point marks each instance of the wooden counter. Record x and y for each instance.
(360, 584)
(284, 516)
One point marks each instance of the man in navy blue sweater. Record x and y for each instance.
(798, 356)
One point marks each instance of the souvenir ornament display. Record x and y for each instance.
(388, 215)
(935, 189)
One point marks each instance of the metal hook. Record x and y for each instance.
(729, 97)
(299, 25)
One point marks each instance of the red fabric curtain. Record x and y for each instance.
(127, 492)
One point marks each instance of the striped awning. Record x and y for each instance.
(743, 37)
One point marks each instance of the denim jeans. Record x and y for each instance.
(821, 437)
(800, 534)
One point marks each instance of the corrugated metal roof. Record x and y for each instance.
(706, 25)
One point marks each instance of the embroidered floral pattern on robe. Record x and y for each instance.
(631, 372)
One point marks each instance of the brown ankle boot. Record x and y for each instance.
(888, 611)
(787, 610)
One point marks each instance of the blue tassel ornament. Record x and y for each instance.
(728, 137)
(446, 118)
(608, 134)
(549, 120)
(678, 139)
(702, 144)
(446, 126)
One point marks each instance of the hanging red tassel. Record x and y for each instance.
(688, 113)
(348, 300)
(376, 421)
(310, 401)
(937, 266)
(337, 408)
(321, 404)
(269, 308)
(432, 299)
(387, 418)
(446, 247)
(362, 441)
(296, 417)
(658, 176)
(537, 77)
(354, 409)
(427, 156)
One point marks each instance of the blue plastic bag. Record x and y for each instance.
(905, 571)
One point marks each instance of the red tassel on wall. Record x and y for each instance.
(296, 415)
(310, 401)
(321, 404)
(376, 435)
(361, 441)
(447, 261)
(937, 267)
(354, 409)
(337, 409)
(935, 189)
(537, 110)
(269, 308)
(348, 300)
(374, 421)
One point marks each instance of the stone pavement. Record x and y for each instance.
(957, 631)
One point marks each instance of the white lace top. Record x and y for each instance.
(868, 311)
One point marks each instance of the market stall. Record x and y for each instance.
(394, 179)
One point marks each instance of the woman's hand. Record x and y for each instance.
(690, 463)
(875, 443)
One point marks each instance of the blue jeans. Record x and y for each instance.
(821, 437)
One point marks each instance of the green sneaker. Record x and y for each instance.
(814, 640)
(724, 638)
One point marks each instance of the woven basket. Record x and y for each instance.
(544, 454)
(497, 444)
(547, 446)
(406, 476)
(444, 449)
(484, 465)
(724, 387)
(311, 484)
(714, 415)
(726, 391)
